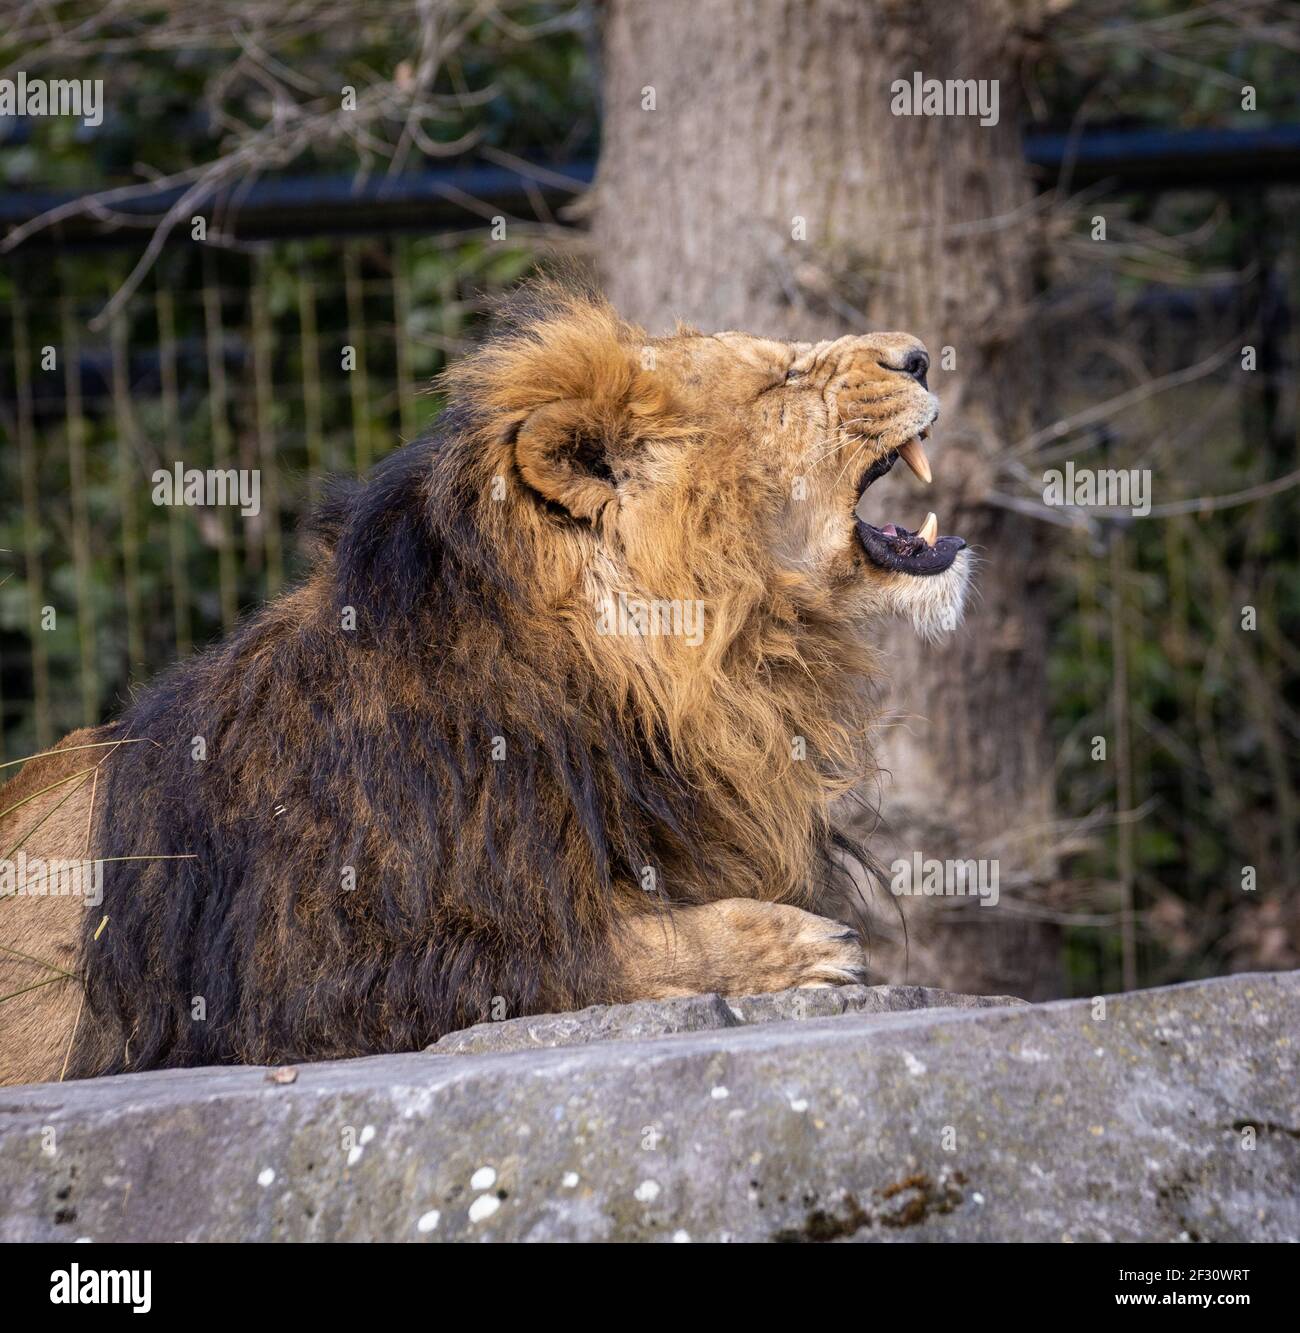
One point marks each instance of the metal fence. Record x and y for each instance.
(291, 359)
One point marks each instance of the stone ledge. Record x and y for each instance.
(1039, 1122)
(698, 1013)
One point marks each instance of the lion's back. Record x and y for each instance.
(47, 817)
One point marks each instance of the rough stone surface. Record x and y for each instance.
(698, 1013)
(1170, 1116)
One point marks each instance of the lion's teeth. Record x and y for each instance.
(914, 456)
(929, 529)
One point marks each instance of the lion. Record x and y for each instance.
(558, 717)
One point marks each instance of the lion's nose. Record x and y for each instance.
(916, 363)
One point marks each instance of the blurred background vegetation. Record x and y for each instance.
(228, 353)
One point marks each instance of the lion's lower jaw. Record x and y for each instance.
(934, 603)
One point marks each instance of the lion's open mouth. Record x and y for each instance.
(893, 547)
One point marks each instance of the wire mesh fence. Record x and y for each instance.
(286, 363)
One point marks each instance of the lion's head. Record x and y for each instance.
(718, 470)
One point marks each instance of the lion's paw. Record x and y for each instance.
(785, 947)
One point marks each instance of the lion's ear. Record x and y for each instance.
(562, 452)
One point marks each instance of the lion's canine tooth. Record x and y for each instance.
(929, 529)
(914, 456)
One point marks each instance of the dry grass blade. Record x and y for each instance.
(36, 985)
(17, 805)
(18, 953)
(69, 749)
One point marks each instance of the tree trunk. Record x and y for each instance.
(753, 177)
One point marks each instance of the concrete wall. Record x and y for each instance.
(804, 1117)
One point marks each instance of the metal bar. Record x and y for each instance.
(434, 200)
(311, 387)
(263, 393)
(128, 484)
(76, 429)
(176, 532)
(31, 521)
(218, 394)
(358, 379)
